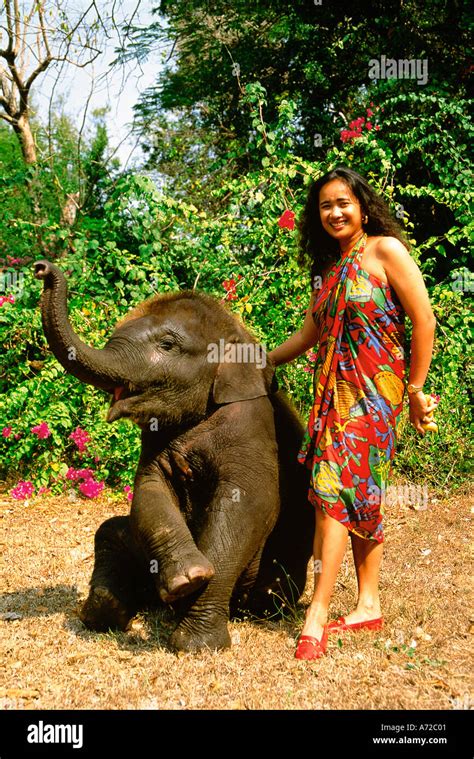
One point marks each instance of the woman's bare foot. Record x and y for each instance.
(364, 612)
(314, 624)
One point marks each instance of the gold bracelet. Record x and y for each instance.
(412, 389)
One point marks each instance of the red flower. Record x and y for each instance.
(229, 286)
(368, 126)
(6, 432)
(287, 220)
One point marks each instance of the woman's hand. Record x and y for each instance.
(420, 408)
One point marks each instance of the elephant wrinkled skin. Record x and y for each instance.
(232, 522)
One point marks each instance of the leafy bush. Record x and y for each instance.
(146, 242)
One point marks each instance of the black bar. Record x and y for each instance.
(152, 733)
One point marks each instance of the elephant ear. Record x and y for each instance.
(243, 373)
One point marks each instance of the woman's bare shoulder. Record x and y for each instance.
(385, 245)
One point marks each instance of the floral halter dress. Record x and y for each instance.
(359, 370)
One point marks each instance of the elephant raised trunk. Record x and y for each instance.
(95, 367)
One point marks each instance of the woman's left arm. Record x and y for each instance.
(406, 279)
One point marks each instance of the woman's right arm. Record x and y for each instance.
(299, 343)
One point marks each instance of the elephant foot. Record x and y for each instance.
(185, 639)
(180, 578)
(102, 611)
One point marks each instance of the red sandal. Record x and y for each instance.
(370, 624)
(310, 648)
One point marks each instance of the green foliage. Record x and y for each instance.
(139, 240)
(316, 55)
(447, 458)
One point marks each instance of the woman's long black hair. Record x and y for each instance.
(317, 249)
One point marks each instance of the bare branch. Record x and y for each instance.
(17, 27)
(39, 70)
(5, 105)
(8, 8)
(43, 29)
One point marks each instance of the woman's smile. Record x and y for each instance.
(340, 212)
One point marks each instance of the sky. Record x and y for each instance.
(117, 88)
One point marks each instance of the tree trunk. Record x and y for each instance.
(25, 136)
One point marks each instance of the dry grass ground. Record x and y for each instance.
(49, 661)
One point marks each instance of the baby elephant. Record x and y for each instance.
(220, 516)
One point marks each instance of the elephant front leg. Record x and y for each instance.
(176, 564)
(120, 584)
(230, 538)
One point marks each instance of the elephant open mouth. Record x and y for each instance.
(121, 403)
(118, 393)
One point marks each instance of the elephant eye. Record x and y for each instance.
(167, 344)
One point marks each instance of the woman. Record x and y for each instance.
(364, 282)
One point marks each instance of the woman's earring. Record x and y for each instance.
(365, 219)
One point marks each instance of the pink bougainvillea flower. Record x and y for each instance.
(11, 298)
(287, 220)
(79, 474)
(369, 113)
(128, 490)
(85, 474)
(43, 490)
(42, 431)
(22, 491)
(368, 126)
(312, 356)
(81, 438)
(6, 432)
(91, 488)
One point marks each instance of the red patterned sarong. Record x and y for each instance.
(350, 439)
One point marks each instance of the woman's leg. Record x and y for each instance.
(367, 560)
(330, 542)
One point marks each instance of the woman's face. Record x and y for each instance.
(340, 211)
